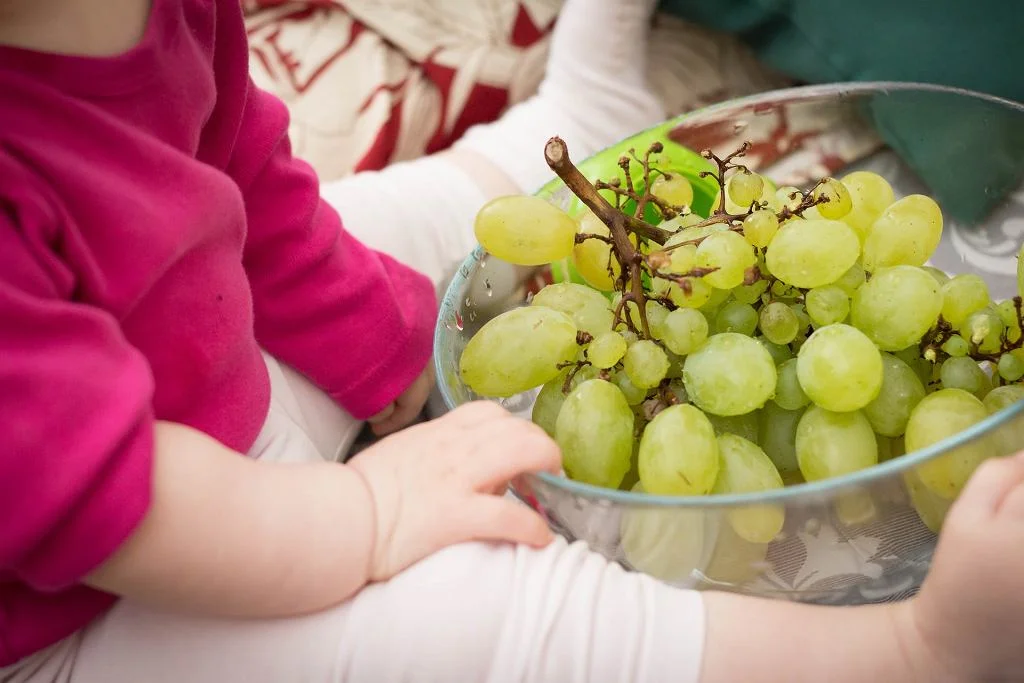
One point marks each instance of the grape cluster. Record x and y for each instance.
(788, 336)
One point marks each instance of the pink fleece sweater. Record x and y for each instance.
(154, 232)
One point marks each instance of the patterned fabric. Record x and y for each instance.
(371, 82)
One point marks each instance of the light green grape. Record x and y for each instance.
(518, 350)
(645, 363)
(930, 508)
(679, 453)
(673, 189)
(1003, 396)
(832, 444)
(736, 317)
(939, 276)
(667, 544)
(545, 408)
(1007, 312)
(634, 394)
(812, 253)
(779, 323)
(921, 367)
(777, 436)
(906, 234)
(805, 320)
(938, 416)
(594, 430)
(851, 280)
(901, 391)
(963, 373)
(696, 294)
(839, 201)
(956, 346)
(870, 195)
(745, 468)
(525, 230)
(593, 257)
(750, 294)
(744, 188)
(684, 330)
(730, 254)
(780, 353)
(588, 309)
(788, 392)
(827, 305)
(682, 260)
(839, 368)
(984, 329)
(1010, 367)
(896, 307)
(656, 314)
(789, 197)
(961, 296)
(715, 301)
(746, 425)
(760, 227)
(731, 374)
(606, 350)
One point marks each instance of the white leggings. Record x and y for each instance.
(476, 612)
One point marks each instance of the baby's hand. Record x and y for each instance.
(970, 613)
(406, 407)
(442, 483)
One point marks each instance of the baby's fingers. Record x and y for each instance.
(491, 518)
(993, 485)
(520, 449)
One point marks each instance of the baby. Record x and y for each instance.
(174, 293)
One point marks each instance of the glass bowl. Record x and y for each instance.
(864, 537)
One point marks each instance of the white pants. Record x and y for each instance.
(476, 612)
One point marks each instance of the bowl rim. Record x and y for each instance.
(807, 490)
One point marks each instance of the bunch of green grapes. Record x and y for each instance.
(789, 336)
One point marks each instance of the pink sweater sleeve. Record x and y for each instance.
(76, 428)
(354, 321)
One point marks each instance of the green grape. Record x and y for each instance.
(750, 294)
(851, 280)
(906, 234)
(921, 367)
(984, 329)
(839, 201)
(827, 305)
(760, 227)
(547, 405)
(606, 350)
(870, 195)
(788, 392)
(645, 363)
(1007, 312)
(812, 253)
(889, 448)
(938, 416)
(680, 221)
(789, 197)
(956, 346)
(587, 307)
(673, 189)
(961, 296)
(734, 561)
(668, 544)
(525, 230)
(746, 469)
(632, 479)
(731, 374)
(779, 323)
(939, 276)
(518, 350)
(801, 314)
(634, 394)
(780, 353)
(896, 307)
(679, 453)
(839, 368)
(682, 260)
(695, 295)
(1002, 397)
(685, 329)
(736, 317)
(901, 391)
(593, 257)
(656, 315)
(777, 436)
(730, 254)
(832, 444)
(930, 508)
(744, 188)
(741, 425)
(1010, 367)
(715, 301)
(595, 432)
